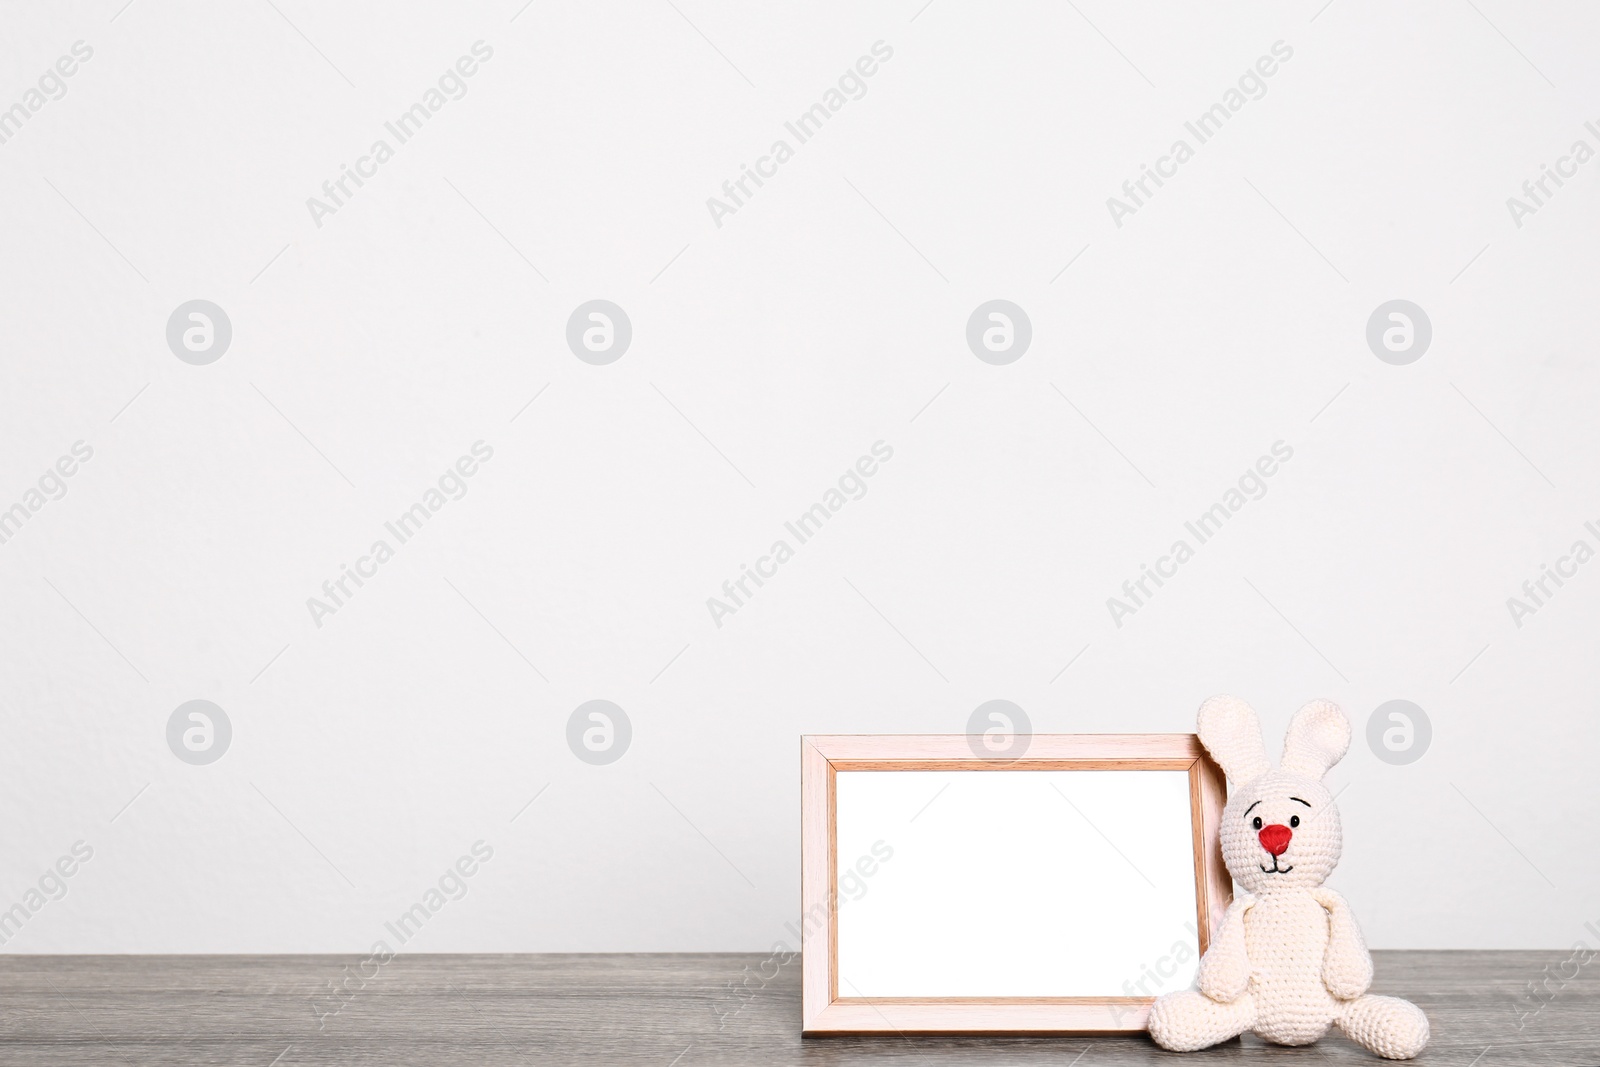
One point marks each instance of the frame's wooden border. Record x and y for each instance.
(823, 1011)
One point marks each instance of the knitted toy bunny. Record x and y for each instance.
(1288, 960)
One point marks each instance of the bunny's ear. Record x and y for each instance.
(1232, 734)
(1318, 737)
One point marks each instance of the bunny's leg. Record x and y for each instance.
(1187, 1021)
(1385, 1026)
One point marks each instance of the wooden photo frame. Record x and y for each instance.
(914, 987)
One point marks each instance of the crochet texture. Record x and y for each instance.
(1288, 960)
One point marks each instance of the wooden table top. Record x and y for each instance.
(664, 1011)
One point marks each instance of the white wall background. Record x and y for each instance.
(767, 355)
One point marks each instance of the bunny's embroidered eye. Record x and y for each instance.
(1294, 820)
(1256, 822)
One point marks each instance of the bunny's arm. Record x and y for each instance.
(1225, 968)
(1346, 966)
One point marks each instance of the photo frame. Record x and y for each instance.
(992, 907)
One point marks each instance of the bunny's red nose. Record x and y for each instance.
(1275, 838)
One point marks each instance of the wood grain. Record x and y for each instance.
(903, 748)
(816, 878)
(662, 1011)
(1214, 882)
(824, 1011)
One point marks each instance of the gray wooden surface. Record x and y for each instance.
(661, 1011)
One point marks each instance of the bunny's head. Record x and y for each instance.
(1280, 828)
